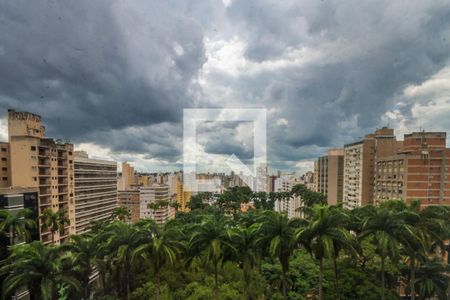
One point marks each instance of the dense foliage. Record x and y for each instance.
(216, 252)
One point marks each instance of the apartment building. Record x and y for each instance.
(335, 176)
(359, 165)
(5, 167)
(285, 183)
(321, 175)
(177, 191)
(420, 170)
(95, 190)
(13, 200)
(130, 200)
(127, 177)
(42, 163)
(155, 203)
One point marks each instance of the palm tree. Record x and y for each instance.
(38, 268)
(432, 279)
(53, 221)
(161, 246)
(244, 240)
(385, 226)
(277, 236)
(121, 213)
(324, 236)
(212, 239)
(121, 240)
(17, 224)
(84, 248)
(427, 231)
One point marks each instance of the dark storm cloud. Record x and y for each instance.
(223, 138)
(91, 66)
(118, 74)
(368, 53)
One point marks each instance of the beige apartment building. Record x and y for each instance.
(359, 165)
(329, 175)
(335, 172)
(95, 190)
(178, 193)
(43, 163)
(420, 170)
(127, 178)
(131, 200)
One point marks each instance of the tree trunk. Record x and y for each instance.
(336, 284)
(53, 237)
(103, 279)
(383, 296)
(13, 237)
(216, 286)
(158, 286)
(246, 272)
(284, 287)
(413, 277)
(86, 288)
(321, 279)
(128, 283)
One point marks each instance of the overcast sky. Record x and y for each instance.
(115, 76)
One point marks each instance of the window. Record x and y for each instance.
(5, 178)
(4, 169)
(33, 148)
(3, 149)
(3, 158)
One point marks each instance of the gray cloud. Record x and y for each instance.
(118, 74)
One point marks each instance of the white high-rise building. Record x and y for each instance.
(155, 203)
(285, 183)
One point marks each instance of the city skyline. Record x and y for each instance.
(327, 74)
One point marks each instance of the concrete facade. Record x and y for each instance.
(42, 163)
(335, 176)
(5, 166)
(95, 190)
(151, 199)
(359, 165)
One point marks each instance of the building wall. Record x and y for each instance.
(335, 176)
(359, 165)
(419, 171)
(390, 178)
(321, 171)
(153, 195)
(130, 200)
(15, 199)
(95, 191)
(5, 166)
(42, 163)
(127, 175)
(353, 169)
(285, 184)
(25, 124)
